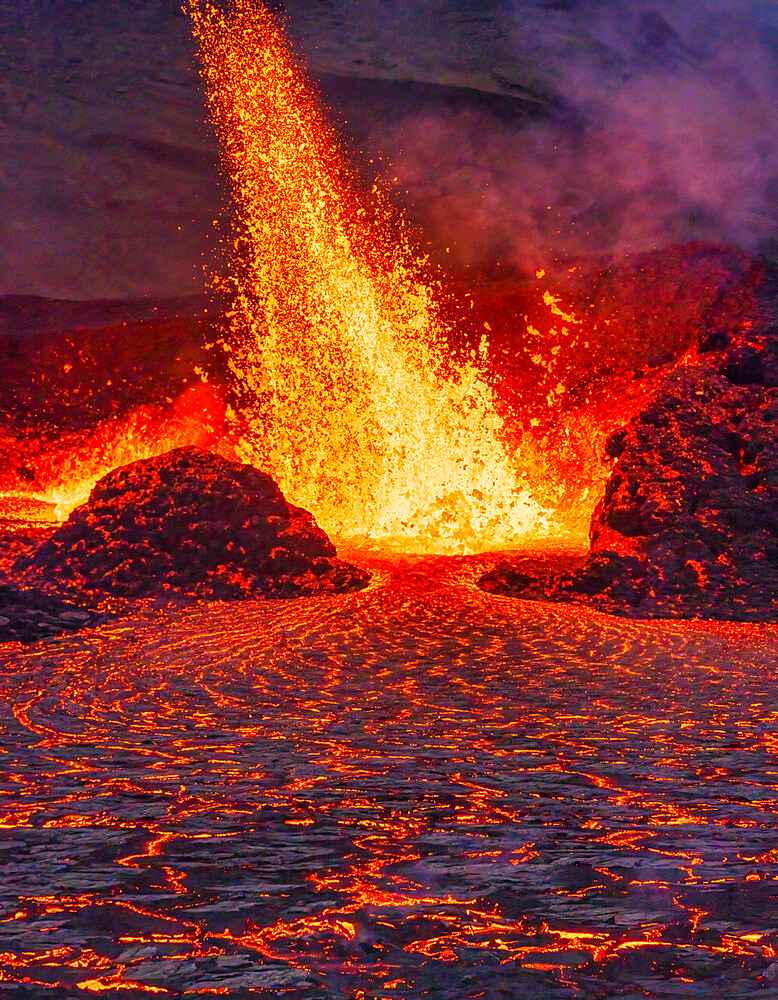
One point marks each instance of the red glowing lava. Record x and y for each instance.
(373, 404)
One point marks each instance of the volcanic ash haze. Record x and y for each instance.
(633, 126)
(518, 130)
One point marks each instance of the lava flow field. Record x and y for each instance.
(415, 789)
(419, 789)
(320, 691)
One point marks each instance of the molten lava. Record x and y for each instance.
(337, 343)
(66, 465)
(453, 422)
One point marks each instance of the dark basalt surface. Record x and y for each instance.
(29, 615)
(417, 791)
(191, 523)
(688, 525)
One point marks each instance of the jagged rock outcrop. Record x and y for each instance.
(688, 524)
(689, 521)
(192, 523)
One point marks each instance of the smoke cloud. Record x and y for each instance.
(511, 130)
(634, 125)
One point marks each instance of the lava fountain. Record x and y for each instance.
(337, 347)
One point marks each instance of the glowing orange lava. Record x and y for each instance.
(68, 467)
(345, 385)
(390, 790)
(337, 343)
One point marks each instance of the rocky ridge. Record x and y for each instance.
(688, 524)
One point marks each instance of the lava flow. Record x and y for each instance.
(354, 383)
(337, 343)
(414, 790)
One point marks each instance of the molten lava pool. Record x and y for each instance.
(420, 789)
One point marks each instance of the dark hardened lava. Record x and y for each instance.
(29, 615)
(191, 523)
(688, 525)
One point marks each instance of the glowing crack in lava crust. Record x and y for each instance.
(337, 345)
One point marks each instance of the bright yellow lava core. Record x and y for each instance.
(337, 345)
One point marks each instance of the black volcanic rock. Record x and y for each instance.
(190, 522)
(30, 615)
(688, 524)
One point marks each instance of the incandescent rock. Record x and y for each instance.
(190, 522)
(688, 524)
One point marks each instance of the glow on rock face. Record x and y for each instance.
(337, 346)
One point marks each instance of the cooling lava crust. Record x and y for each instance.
(688, 525)
(191, 523)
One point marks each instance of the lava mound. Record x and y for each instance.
(688, 525)
(192, 523)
